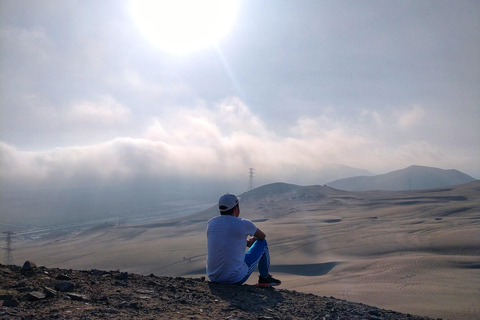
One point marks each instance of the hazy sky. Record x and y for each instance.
(292, 88)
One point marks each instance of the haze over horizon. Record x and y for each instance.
(294, 90)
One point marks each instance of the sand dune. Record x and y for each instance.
(413, 251)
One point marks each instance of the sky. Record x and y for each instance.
(298, 90)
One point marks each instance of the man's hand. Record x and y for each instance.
(251, 241)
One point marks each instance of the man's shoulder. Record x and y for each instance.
(214, 218)
(248, 222)
(222, 219)
(229, 219)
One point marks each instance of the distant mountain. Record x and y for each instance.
(320, 175)
(411, 178)
(335, 172)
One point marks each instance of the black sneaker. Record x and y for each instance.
(268, 281)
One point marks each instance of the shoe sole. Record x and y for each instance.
(272, 284)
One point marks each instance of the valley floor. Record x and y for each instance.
(412, 252)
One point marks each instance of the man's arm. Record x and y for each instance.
(258, 235)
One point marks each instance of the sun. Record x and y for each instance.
(182, 26)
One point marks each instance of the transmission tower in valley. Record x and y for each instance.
(250, 181)
(8, 248)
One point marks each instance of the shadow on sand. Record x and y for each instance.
(309, 270)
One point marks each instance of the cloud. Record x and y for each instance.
(30, 45)
(411, 117)
(371, 117)
(80, 122)
(103, 112)
(149, 89)
(217, 143)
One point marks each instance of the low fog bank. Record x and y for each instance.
(132, 201)
(156, 197)
(151, 197)
(128, 178)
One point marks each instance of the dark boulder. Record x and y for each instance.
(28, 265)
(65, 286)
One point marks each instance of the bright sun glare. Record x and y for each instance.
(182, 26)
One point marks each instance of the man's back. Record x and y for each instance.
(226, 237)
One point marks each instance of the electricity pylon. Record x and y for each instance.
(8, 248)
(250, 181)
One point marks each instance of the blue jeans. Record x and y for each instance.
(257, 254)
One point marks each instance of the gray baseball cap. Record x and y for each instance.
(227, 202)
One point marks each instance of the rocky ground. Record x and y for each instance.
(31, 292)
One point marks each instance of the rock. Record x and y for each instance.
(11, 303)
(96, 272)
(120, 283)
(134, 305)
(20, 284)
(49, 292)
(6, 297)
(122, 276)
(64, 286)
(77, 296)
(374, 312)
(144, 291)
(129, 304)
(63, 277)
(6, 271)
(35, 296)
(28, 265)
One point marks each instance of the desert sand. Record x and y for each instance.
(415, 252)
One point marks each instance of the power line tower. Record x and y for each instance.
(250, 181)
(8, 248)
(122, 221)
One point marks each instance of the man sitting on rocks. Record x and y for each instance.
(227, 261)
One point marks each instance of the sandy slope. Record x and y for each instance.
(413, 252)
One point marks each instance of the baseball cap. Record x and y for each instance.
(227, 202)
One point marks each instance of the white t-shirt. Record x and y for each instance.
(226, 241)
